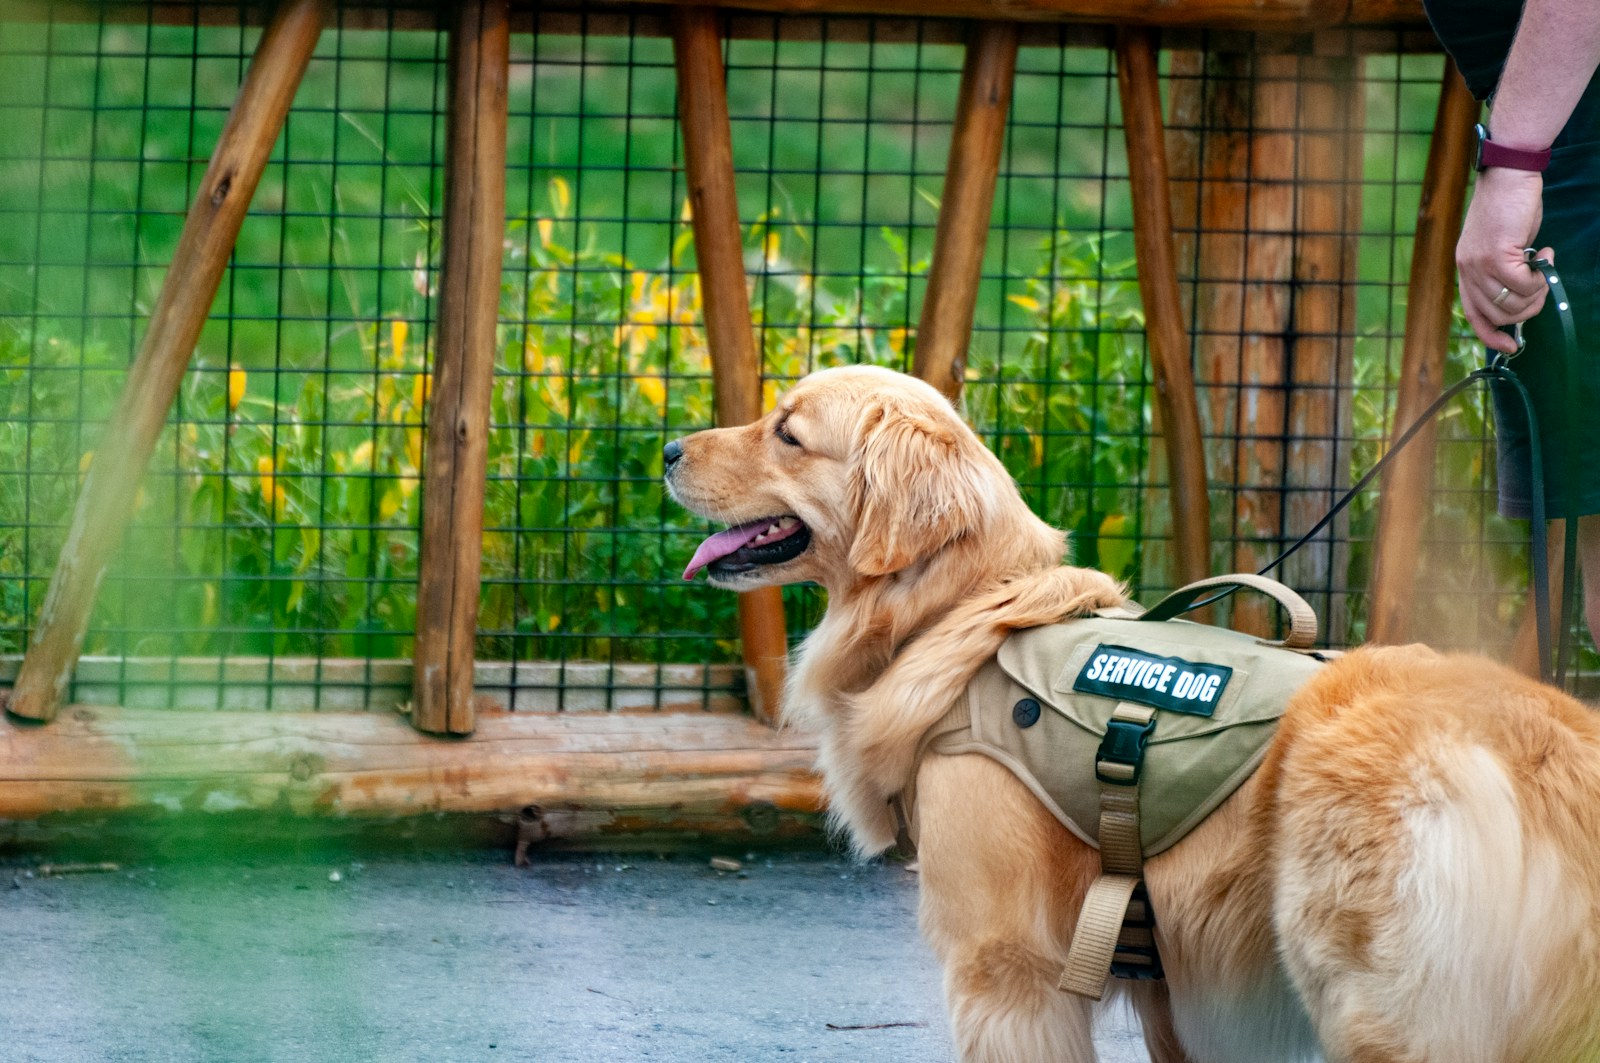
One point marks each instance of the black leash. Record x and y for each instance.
(1498, 368)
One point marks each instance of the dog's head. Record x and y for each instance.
(858, 472)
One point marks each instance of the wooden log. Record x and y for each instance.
(719, 251)
(463, 370)
(1329, 145)
(1408, 481)
(112, 482)
(1223, 14)
(983, 101)
(1383, 27)
(1397, 13)
(1264, 157)
(1235, 245)
(351, 765)
(1269, 15)
(335, 684)
(1178, 409)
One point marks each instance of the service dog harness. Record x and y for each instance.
(1130, 732)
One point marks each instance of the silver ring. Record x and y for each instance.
(1500, 300)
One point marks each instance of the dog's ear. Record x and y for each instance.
(912, 487)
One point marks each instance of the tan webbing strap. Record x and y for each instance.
(1094, 939)
(1119, 830)
(1302, 618)
(1099, 929)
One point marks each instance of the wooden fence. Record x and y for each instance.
(455, 750)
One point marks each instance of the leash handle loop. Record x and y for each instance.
(1302, 618)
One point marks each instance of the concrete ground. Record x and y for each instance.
(460, 956)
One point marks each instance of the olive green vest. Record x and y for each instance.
(1041, 708)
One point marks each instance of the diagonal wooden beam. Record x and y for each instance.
(209, 232)
(463, 368)
(982, 104)
(1431, 291)
(719, 252)
(1178, 408)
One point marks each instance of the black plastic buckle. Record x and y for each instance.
(1123, 744)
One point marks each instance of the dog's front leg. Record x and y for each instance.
(1000, 885)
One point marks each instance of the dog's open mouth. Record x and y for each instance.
(768, 541)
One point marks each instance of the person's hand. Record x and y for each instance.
(1502, 219)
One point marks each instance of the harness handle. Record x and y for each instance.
(1302, 618)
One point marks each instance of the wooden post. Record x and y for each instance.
(1328, 135)
(463, 369)
(181, 310)
(719, 250)
(1403, 500)
(982, 103)
(1178, 408)
(1265, 159)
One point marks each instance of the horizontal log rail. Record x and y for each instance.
(376, 684)
(612, 768)
(1272, 15)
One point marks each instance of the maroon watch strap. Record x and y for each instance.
(1492, 154)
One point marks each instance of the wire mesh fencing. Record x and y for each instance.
(273, 559)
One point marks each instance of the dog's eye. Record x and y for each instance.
(782, 432)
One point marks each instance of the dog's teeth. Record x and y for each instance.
(783, 524)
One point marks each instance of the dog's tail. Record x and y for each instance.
(875, 749)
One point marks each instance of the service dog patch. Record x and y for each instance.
(1149, 679)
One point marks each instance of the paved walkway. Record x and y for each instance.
(460, 956)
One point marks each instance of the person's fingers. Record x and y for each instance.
(1508, 304)
(1487, 319)
(1473, 304)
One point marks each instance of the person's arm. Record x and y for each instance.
(1555, 53)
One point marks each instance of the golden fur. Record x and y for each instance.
(1413, 875)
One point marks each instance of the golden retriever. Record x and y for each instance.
(1412, 876)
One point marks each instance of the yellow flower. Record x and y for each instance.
(267, 474)
(1114, 546)
(237, 381)
(398, 331)
(655, 390)
(421, 390)
(547, 229)
(361, 457)
(414, 447)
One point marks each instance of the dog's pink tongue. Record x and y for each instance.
(722, 544)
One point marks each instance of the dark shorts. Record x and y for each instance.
(1566, 398)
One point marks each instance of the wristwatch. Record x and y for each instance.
(1492, 154)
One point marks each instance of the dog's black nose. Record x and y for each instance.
(672, 452)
